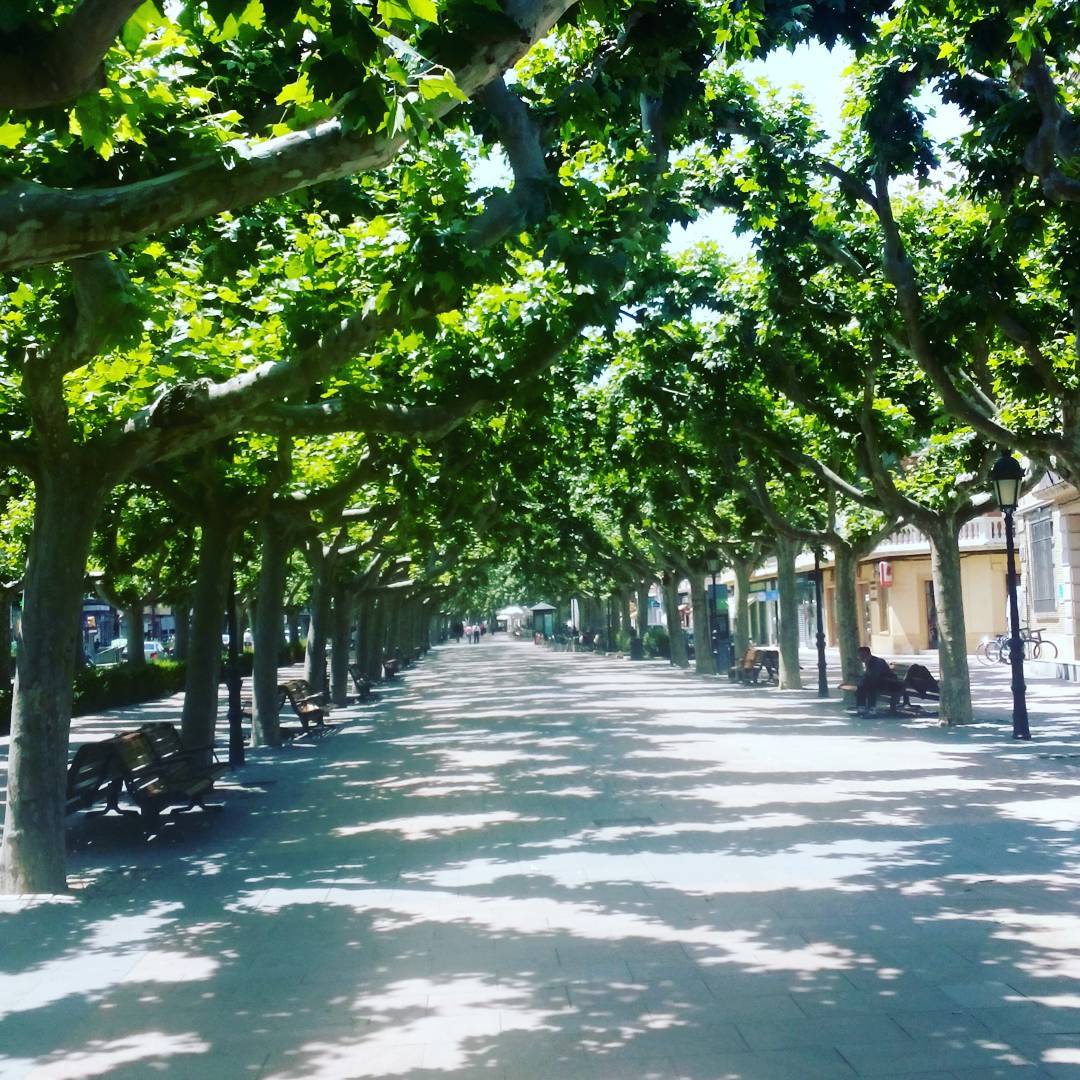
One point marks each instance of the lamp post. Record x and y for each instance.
(1007, 476)
(822, 675)
(712, 563)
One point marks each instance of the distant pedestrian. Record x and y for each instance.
(476, 634)
(456, 632)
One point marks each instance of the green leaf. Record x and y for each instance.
(442, 85)
(298, 91)
(424, 9)
(11, 135)
(145, 19)
(392, 11)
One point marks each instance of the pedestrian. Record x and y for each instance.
(877, 675)
(476, 633)
(456, 632)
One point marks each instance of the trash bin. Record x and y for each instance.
(637, 650)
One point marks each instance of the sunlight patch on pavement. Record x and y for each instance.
(426, 827)
(803, 867)
(1062, 814)
(588, 922)
(786, 752)
(102, 1058)
(742, 796)
(113, 951)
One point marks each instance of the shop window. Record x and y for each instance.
(1041, 555)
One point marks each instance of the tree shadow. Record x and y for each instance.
(526, 864)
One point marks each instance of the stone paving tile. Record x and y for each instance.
(773, 892)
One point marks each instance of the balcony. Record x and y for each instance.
(987, 531)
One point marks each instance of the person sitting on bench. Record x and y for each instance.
(878, 674)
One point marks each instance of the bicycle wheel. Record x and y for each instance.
(989, 652)
(1045, 650)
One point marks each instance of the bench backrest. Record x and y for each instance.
(93, 765)
(295, 688)
(164, 738)
(135, 751)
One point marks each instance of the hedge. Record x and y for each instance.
(98, 689)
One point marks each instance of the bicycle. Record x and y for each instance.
(997, 650)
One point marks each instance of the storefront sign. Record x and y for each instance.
(884, 573)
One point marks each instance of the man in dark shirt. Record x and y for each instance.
(872, 683)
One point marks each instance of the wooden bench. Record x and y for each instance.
(391, 668)
(306, 705)
(158, 771)
(361, 682)
(905, 680)
(94, 773)
(754, 661)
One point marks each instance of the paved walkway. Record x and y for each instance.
(530, 865)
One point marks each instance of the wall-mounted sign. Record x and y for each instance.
(884, 573)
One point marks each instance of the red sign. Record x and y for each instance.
(884, 573)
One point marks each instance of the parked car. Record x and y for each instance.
(152, 650)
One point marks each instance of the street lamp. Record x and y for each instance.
(1007, 475)
(822, 675)
(712, 563)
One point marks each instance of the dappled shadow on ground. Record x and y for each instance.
(526, 864)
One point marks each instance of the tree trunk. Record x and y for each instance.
(845, 576)
(67, 504)
(182, 619)
(625, 622)
(274, 552)
(676, 636)
(209, 598)
(952, 631)
(315, 653)
(5, 640)
(373, 643)
(704, 661)
(392, 625)
(788, 634)
(339, 646)
(136, 654)
(363, 606)
(740, 608)
(292, 616)
(642, 608)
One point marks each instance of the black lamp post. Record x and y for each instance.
(822, 674)
(713, 565)
(1007, 475)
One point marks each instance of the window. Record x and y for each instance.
(1041, 543)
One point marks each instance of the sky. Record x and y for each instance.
(819, 73)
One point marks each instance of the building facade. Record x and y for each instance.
(898, 612)
(1048, 534)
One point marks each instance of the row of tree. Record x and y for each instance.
(257, 294)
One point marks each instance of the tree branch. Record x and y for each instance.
(1054, 138)
(56, 68)
(429, 422)
(519, 134)
(40, 224)
(1023, 336)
